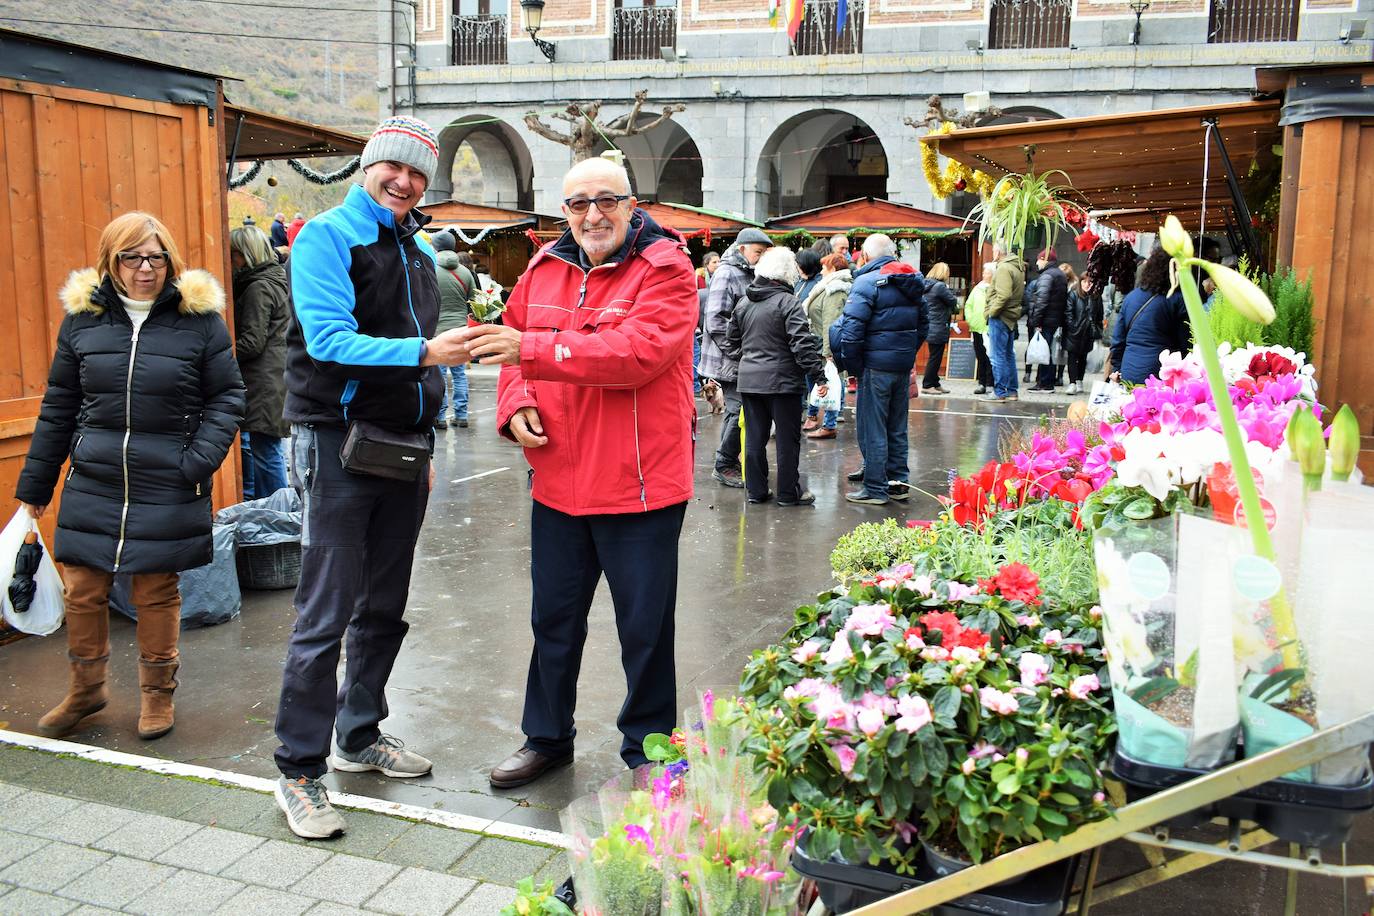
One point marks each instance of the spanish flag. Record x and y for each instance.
(796, 9)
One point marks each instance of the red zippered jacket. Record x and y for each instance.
(606, 357)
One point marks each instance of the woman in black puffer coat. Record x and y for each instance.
(939, 303)
(144, 397)
(262, 310)
(1082, 326)
(770, 337)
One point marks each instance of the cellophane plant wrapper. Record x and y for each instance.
(1166, 601)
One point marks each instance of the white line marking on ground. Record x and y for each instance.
(261, 784)
(961, 413)
(482, 410)
(476, 476)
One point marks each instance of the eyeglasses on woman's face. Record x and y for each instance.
(606, 203)
(134, 261)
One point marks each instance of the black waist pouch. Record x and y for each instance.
(369, 449)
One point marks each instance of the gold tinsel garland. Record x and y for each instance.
(944, 184)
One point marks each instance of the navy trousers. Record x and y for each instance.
(357, 545)
(638, 552)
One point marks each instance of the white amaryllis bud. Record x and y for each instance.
(1240, 292)
(1174, 239)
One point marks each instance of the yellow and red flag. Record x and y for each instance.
(796, 9)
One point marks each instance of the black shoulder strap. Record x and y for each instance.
(1126, 335)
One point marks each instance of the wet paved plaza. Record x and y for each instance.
(457, 689)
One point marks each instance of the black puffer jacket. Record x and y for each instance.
(939, 303)
(1049, 297)
(770, 337)
(146, 421)
(262, 310)
(1083, 322)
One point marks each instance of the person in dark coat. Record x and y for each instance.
(1048, 300)
(1151, 322)
(770, 337)
(457, 285)
(939, 304)
(262, 310)
(1082, 326)
(279, 239)
(144, 397)
(879, 332)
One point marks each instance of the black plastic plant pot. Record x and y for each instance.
(1298, 812)
(847, 886)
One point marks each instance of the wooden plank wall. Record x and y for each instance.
(1331, 240)
(70, 160)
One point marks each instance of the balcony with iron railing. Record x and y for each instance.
(640, 32)
(480, 40)
(1029, 23)
(818, 33)
(1252, 20)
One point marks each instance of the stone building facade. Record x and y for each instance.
(773, 126)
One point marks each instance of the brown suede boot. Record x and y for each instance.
(157, 681)
(87, 695)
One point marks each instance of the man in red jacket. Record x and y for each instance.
(597, 387)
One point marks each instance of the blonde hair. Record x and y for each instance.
(1068, 272)
(128, 231)
(253, 244)
(938, 271)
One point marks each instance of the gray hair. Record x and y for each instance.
(879, 245)
(250, 242)
(989, 268)
(840, 237)
(778, 263)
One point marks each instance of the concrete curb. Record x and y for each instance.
(492, 828)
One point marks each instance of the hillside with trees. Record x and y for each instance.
(315, 63)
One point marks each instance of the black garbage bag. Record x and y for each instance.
(26, 563)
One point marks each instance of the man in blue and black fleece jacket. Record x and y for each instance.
(361, 346)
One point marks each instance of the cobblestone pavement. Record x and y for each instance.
(77, 836)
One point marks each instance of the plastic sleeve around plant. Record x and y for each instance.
(1284, 625)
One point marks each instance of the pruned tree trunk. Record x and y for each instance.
(584, 130)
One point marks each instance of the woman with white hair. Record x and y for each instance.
(770, 336)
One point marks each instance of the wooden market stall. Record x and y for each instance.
(499, 239)
(86, 135)
(1313, 126)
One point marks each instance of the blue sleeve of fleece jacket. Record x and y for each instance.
(323, 297)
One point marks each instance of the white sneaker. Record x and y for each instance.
(387, 755)
(306, 805)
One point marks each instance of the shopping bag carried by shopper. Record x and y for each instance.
(31, 592)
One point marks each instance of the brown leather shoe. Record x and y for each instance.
(524, 767)
(821, 433)
(810, 424)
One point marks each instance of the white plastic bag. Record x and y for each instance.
(1038, 350)
(831, 401)
(49, 606)
(1097, 358)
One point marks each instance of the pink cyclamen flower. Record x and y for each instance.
(870, 619)
(1035, 669)
(1004, 704)
(1083, 685)
(806, 651)
(871, 721)
(913, 714)
(846, 755)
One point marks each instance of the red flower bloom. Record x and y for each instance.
(1087, 239)
(1016, 582)
(1074, 490)
(921, 523)
(1266, 366)
(970, 638)
(946, 624)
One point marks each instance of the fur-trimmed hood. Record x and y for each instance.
(199, 293)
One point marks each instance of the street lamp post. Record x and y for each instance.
(1138, 7)
(534, 20)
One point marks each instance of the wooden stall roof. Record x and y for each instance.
(456, 214)
(686, 218)
(864, 213)
(269, 136)
(1133, 169)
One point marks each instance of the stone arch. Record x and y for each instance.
(503, 159)
(806, 162)
(664, 164)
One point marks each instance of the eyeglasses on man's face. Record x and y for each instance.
(134, 261)
(606, 203)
